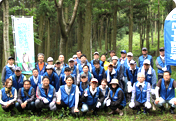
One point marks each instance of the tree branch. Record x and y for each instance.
(73, 15)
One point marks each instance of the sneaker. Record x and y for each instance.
(171, 110)
(153, 107)
(119, 111)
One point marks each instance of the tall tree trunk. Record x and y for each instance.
(131, 26)
(114, 28)
(106, 34)
(147, 31)
(48, 39)
(101, 32)
(79, 31)
(87, 31)
(5, 6)
(41, 33)
(158, 26)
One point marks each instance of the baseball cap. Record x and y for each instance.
(123, 51)
(83, 75)
(114, 81)
(146, 61)
(17, 69)
(114, 58)
(161, 49)
(71, 59)
(50, 67)
(11, 58)
(111, 64)
(49, 59)
(57, 62)
(132, 62)
(94, 80)
(74, 56)
(129, 54)
(96, 53)
(144, 49)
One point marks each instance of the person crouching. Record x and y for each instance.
(8, 96)
(116, 101)
(140, 93)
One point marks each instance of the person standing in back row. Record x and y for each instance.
(145, 56)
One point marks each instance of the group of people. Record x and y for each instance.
(83, 86)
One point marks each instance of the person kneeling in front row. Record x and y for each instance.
(68, 96)
(141, 93)
(92, 98)
(8, 96)
(167, 86)
(26, 97)
(46, 96)
(116, 101)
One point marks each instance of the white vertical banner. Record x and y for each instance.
(24, 41)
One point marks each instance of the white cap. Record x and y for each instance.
(132, 62)
(129, 54)
(71, 59)
(114, 58)
(146, 61)
(94, 80)
(74, 56)
(50, 67)
(49, 59)
(96, 53)
(114, 81)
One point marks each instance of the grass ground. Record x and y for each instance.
(103, 116)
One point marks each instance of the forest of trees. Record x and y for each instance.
(65, 26)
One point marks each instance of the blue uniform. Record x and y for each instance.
(114, 76)
(115, 97)
(151, 78)
(141, 96)
(89, 76)
(8, 73)
(80, 68)
(43, 69)
(23, 96)
(92, 100)
(141, 60)
(49, 96)
(17, 84)
(68, 99)
(33, 84)
(169, 93)
(63, 68)
(133, 78)
(98, 76)
(5, 98)
(100, 62)
(81, 89)
(160, 62)
(62, 79)
(54, 80)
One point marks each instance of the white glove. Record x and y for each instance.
(45, 100)
(108, 102)
(129, 87)
(98, 105)
(164, 69)
(5, 103)
(152, 91)
(148, 105)
(85, 94)
(131, 105)
(52, 104)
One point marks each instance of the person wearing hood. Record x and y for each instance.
(116, 98)
(8, 70)
(8, 96)
(53, 77)
(17, 78)
(140, 95)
